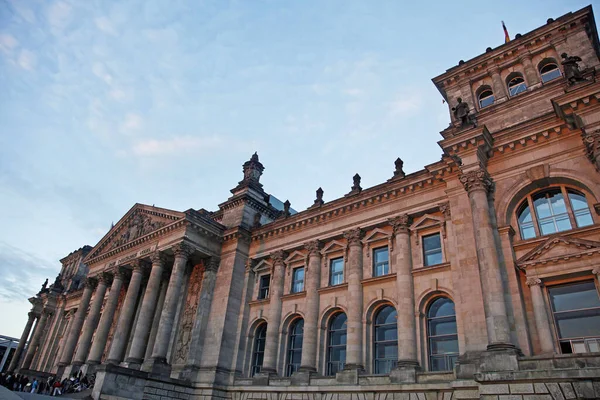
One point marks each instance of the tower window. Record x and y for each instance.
(486, 98)
(516, 85)
(549, 72)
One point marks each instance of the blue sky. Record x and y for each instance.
(105, 104)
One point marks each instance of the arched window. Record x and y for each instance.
(485, 97)
(258, 353)
(549, 70)
(295, 346)
(441, 335)
(557, 209)
(385, 340)
(336, 344)
(516, 85)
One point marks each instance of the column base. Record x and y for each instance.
(405, 372)
(133, 363)
(500, 357)
(189, 373)
(350, 374)
(262, 378)
(303, 375)
(160, 367)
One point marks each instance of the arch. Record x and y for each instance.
(328, 313)
(485, 96)
(429, 295)
(288, 319)
(374, 305)
(515, 83)
(513, 196)
(549, 69)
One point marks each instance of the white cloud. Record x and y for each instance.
(7, 43)
(354, 92)
(59, 15)
(178, 144)
(132, 122)
(105, 26)
(404, 105)
(27, 60)
(100, 71)
(24, 12)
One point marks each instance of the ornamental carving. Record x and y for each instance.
(313, 247)
(445, 209)
(476, 180)
(353, 236)
(212, 264)
(91, 283)
(182, 250)
(533, 281)
(596, 271)
(121, 273)
(191, 304)
(105, 278)
(279, 257)
(141, 224)
(400, 223)
(158, 257)
(592, 147)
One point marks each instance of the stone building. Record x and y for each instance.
(475, 277)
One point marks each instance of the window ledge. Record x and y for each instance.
(379, 279)
(432, 268)
(342, 286)
(260, 301)
(294, 295)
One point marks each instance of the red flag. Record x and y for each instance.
(506, 37)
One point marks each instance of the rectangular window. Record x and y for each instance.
(298, 280)
(381, 263)
(263, 288)
(432, 249)
(336, 271)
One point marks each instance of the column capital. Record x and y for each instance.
(400, 223)
(353, 236)
(182, 250)
(91, 282)
(31, 314)
(596, 271)
(158, 257)
(249, 264)
(137, 265)
(478, 179)
(120, 273)
(279, 257)
(445, 210)
(46, 312)
(105, 277)
(313, 247)
(212, 264)
(534, 282)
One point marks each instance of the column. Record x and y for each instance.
(311, 316)
(107, 318)
(121, 336)
(540, 314)
(91, 322)
(354, 270)
(531, 75)
(156, 316)
(500, 92)
(148, 307)
(202, 313)
(35, 339)
(167, 318)
(272, 340)
(70, 316)
(77, 323)
(407, 335)
(17, 356)
(478, 184)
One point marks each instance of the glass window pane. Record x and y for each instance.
(441, 307)
(583, 218)
(387, 332)
(563, 223)
(525, 215)
(432, 242)
(442, 327)
(438, 364)
(387, 315)
(578, 201)
(574, 296)
(527, 232)
(433, 258)
(486, 101)
(547, 227)
(558, 204)
(578, 323)
(579, 346)
(593, 345)
(380, 255)
(443, 345)
(542, 207)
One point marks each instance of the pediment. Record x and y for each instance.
(262, 265)
(376, 235)
(139, 222)
(559, 248)
(332, 246)
(426, 221)
(295, 257)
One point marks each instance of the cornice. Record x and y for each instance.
(378, 280)
(342, 287)
(431, 270)
(247, 199)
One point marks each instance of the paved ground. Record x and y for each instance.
(6, 394)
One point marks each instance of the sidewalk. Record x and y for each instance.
(6, 394)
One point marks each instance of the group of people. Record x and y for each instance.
(50, 386)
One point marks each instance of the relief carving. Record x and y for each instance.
(187, 321)
(592, 147)
(476, 180)
(140, 225)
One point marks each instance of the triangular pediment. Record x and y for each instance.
(295, 257)
(262, 265)
(376, 235)
(332, 246)
(426, 221)
(140, 221)
(559, 248)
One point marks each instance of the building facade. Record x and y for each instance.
(475, 277)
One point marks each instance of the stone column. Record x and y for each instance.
(500, 91)
(272, 340)
(77, 323)
(155, 320)
(540, 314)
(407, 335)
(13, 362)
(478, 184)
(354, 269)
(121, 336)
(91, 322)
(70, 316)
(107, 318)
(167, 318)
(531, 75)
(144, 322)
(202, 313)
(35, 339)
(311, 315)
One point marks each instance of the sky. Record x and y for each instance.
(107, 103)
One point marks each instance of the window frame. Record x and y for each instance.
(255, 369)
(261, 278)
(290, 367)
(545, 63)
(376, 342)
(375, 264)
(428, 336)
(523, 84)
(342, 273)
(294, 281)
(328, 362)
(422, 239)
(480, 99)
(564, 191)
